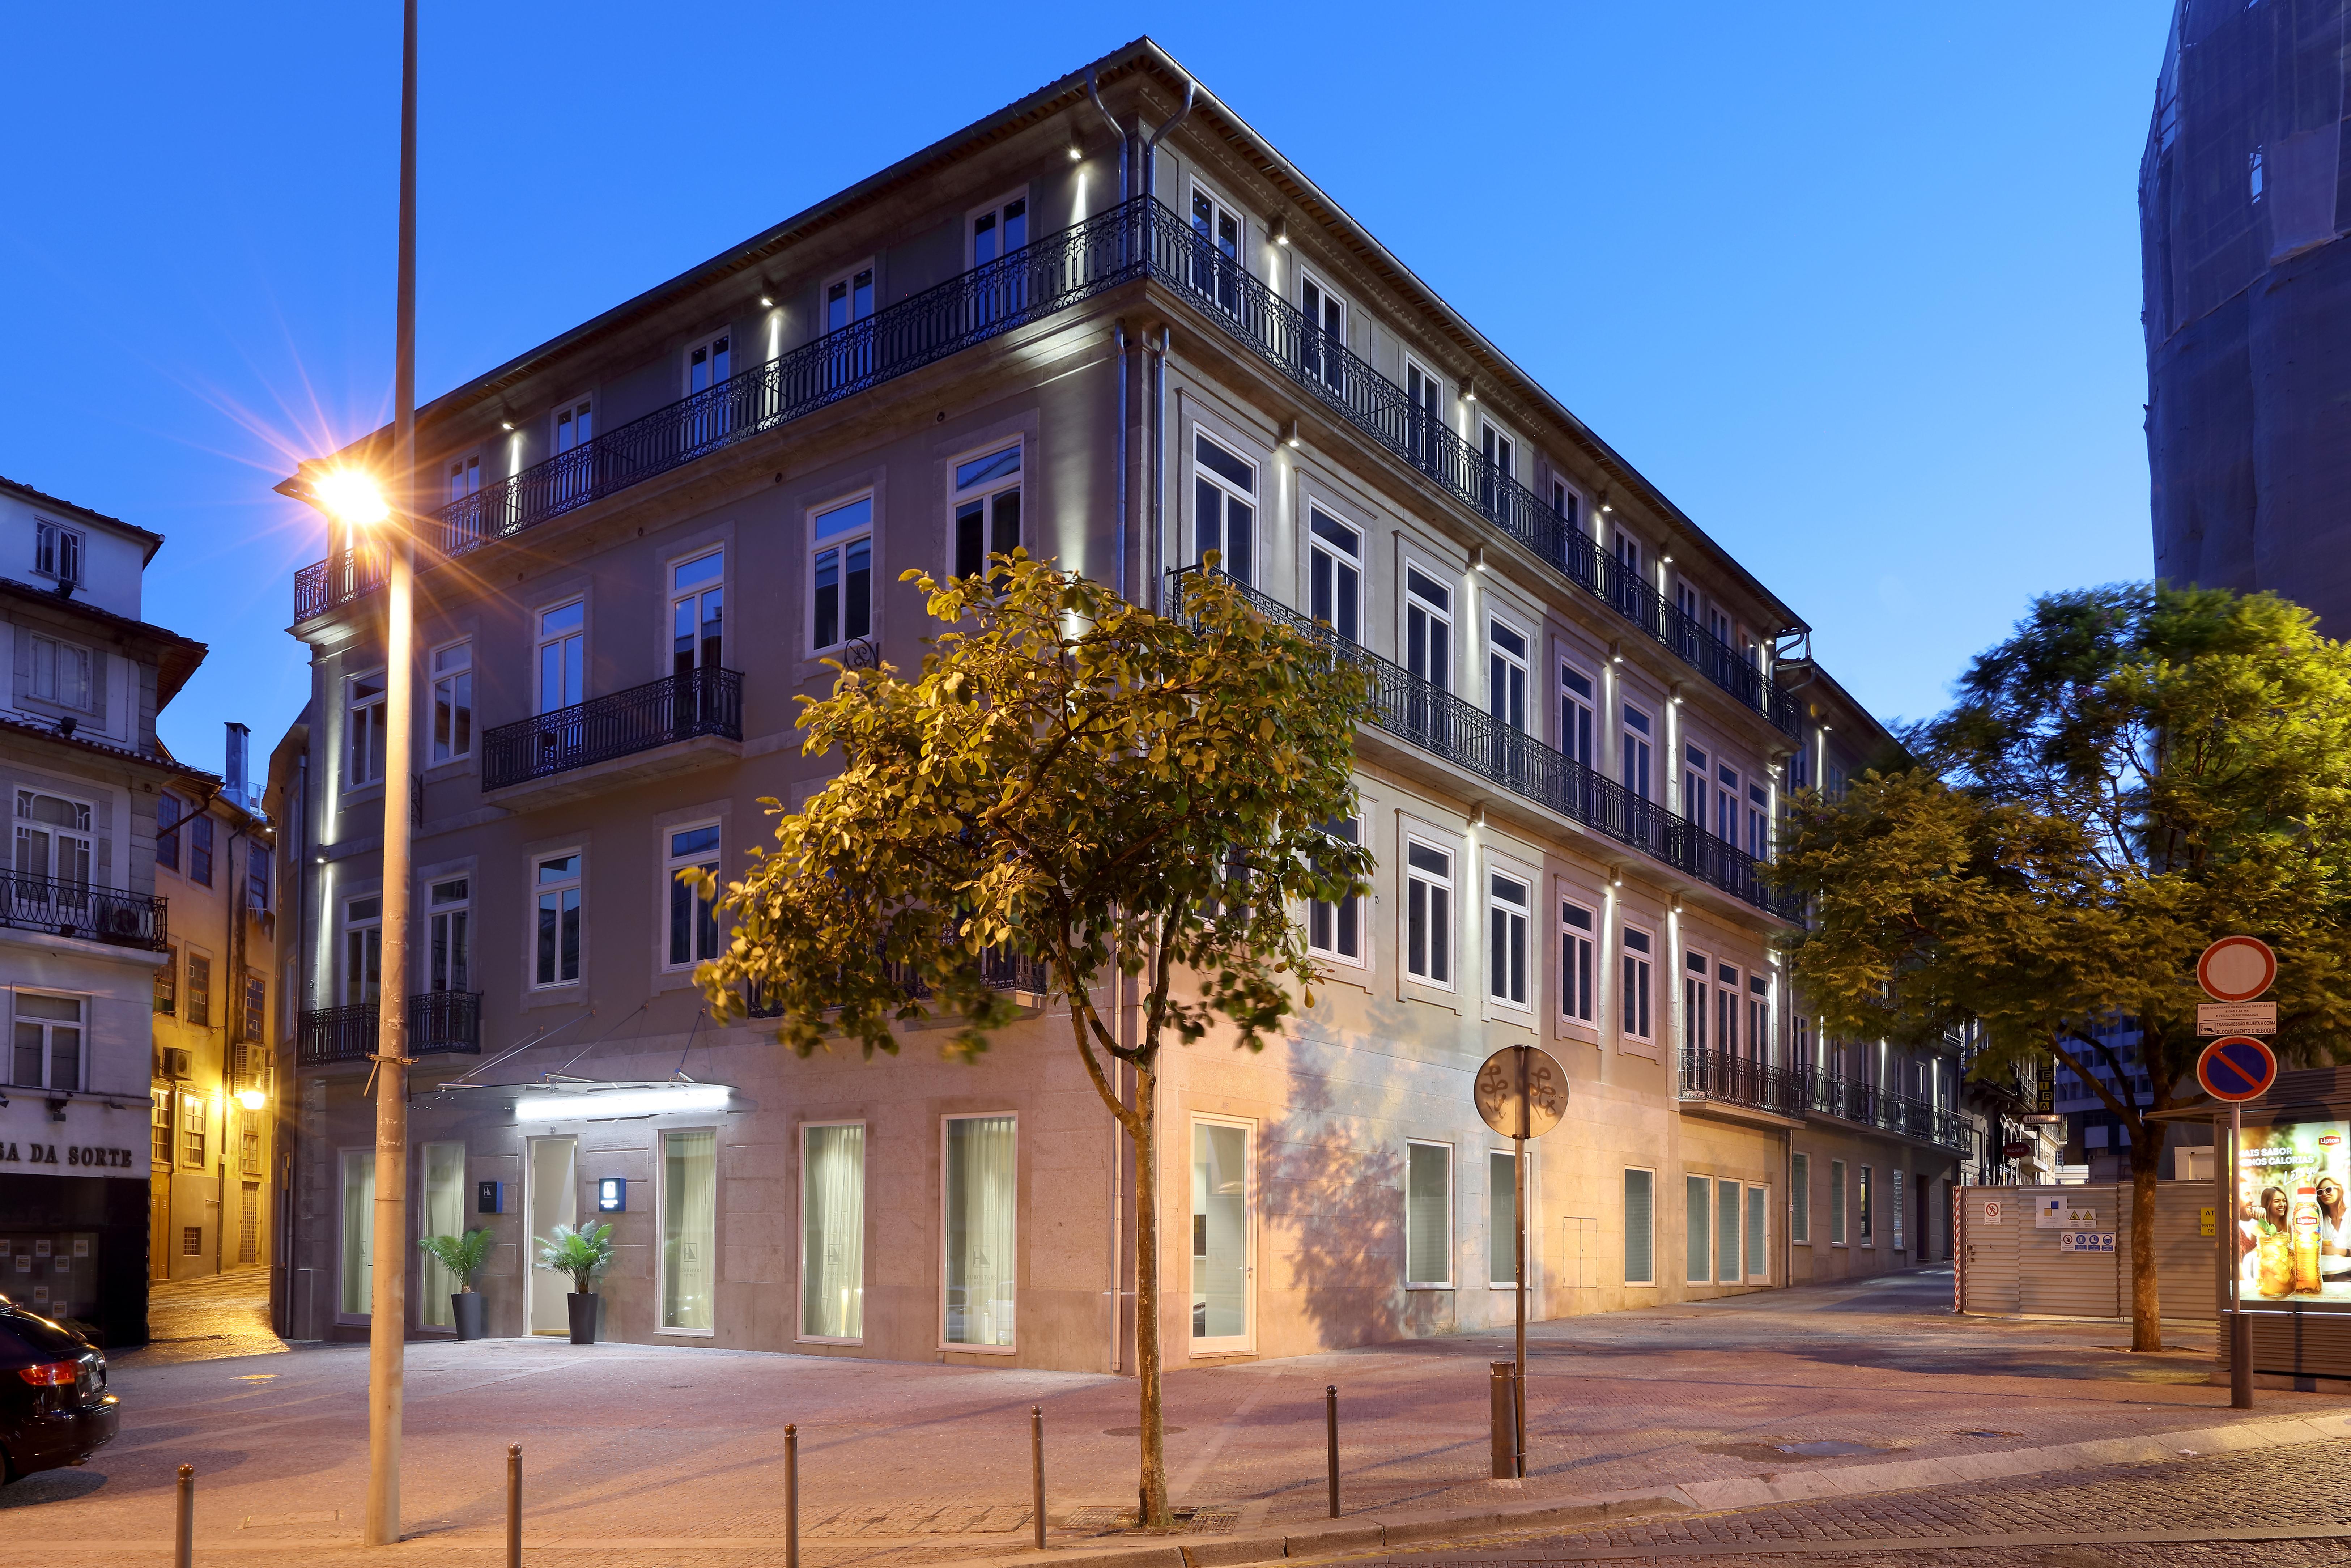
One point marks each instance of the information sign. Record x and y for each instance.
(2235, 1017)
(2085, 1241)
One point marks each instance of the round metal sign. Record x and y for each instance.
(2237, 1068)
(2236, 968)
(1521, 1092)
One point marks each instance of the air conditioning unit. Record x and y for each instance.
(176, 1063)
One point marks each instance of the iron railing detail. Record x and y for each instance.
(675, 707)
(1872, 1106)
(1002, 971)
(78, 910)
(1424, 715)
(1741, 1081)
(439, 1023)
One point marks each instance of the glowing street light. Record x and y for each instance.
(352, 496)
(252, 1099)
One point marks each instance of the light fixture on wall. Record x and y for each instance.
(1470, 394)
(1077, 151)
(506, 424)
(1282, 231)
(1666, 560)
(1289, 437)
(1476, 558)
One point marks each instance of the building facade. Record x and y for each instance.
(84, 929)
(1043, 330)
(2244, 198)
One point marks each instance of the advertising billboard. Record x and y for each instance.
(2294, 1230)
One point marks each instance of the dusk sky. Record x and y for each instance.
(1856, 286)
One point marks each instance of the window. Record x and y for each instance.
(979, 1192)
(1635, 778)
(169, 810)
(54, 839)
(1506, 948)
(356, 1277)
(575, 426)
(1694, 790)
(1726, 797)
(199, 849)
(2254, 173)
(842, 579)
(1220, 1232)
(194, 1118)
(1576, 930)
(1697, 1194)
(60, 673)
(191, 1241)
(1567, 505)
(453, 702)
(1429, 914)
(833, 1232)
(58, 551)
(692, 919)
(1636, 1021)
(1868, 1236)
(557, 960)
(697, 613)
(1726, 1241)
(257, 880)
(563, 656)
(167, 984)
(999, 231)
(1506, 674)
(1217, 251)
(48, 1042)
(849, 299)
(1495, 474)
(1759, 1016)
(444, 1214)
(256, 1008)
(1727, 1011)
(363, 726)
(1758, 1255)
(1336, 929)
(362, 951)
(1640, 1227)
(464, 478)
(200, 989)
(1428, 629)
(1627, 552)
(1694, 1004)
(1502, 1219)
(1334, 573)
(689, 1220)
(158, 1127)
(248, 1144)
(1759, 820)
(449, 921)
(709, 362)
(1800, 1199)
(1894, 1209)
(1326, 312)
(1429, 1216)
(986, 510)
(1836, 1203)
(1424, 395)
(1576, 707)
(1224, 508)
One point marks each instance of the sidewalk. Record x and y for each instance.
(652, 1455)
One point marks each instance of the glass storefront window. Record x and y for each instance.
(689, 1229)
(444, 1214)
(978, 1198)
(357, 1274)
(832, 1233)
(1219, 1231)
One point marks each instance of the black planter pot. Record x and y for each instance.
(583, 1317)
(467, 1306)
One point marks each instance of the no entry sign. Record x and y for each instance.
(2238, 1068)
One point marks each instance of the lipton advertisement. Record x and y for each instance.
(2293, 1229)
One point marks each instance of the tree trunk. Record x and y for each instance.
(1152, 1498)
(2147, 1162)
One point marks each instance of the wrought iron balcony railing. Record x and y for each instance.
(675, 707)
(1870, 1105)
(1426, 715)
(91, 914)
(439, 1023)
(1140, 238)
(1004, 971)
(1737, 1080)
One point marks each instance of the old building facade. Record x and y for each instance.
(1119, 331)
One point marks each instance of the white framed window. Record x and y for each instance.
(1637, 751)
(1729, 794)
(1506, 672)
(449, 921)
(1836, 1203)
(1800, 1199)
(563, 656)
(697, 612)
(841, 573)
(556, 890)
(1759, 1233)
(1638, 945)
(54, 838)
(1694, 784)
(1579, 708)
(1640, 1227)
(1334, 573)
(1336, 930)
(708, 362)
(1759, 1016)
(1429, 628)
(1507, 901)
(195, 1131)
(1578, 928)
(453, 702)
(849, 299)
(1224, 1234)
(197, 1002)
(1424, 392)
(355, 1236)
(1224, 507)
(1502, 1222)
(692, 919)
(1327, 313)
(48, 1042)
(1428, 1217)
(1759, 820)
(363, 729)
(1698, 1232)
(170, 812)
(978, 1198)
(443, 1214)
(1727, 1212)
(1218, 232)
(362, 949)
(833, 1232)
(463, 477)
(998, 229)
(1499, 460)
(1696, 997)
(575, 425)
(1627, 551)
(689, 1231)
(1568, 506)
(1429, 914)
(986, 502)
(60, 672)
(58, 551)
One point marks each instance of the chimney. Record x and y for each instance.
(233, 774)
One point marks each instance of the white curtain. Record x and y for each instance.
(979, 1198)
(359, 1232)
(444, 1214)
(832, 1233)
(689, 1228)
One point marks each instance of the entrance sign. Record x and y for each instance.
(2236, 1069)
(1521, 1094)
(2236, 969)
(2236, 1018)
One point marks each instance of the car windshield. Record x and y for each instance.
(38, 1335)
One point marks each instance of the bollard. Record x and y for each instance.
(1505, 1434)
(1037, 1468)
(2241, 1361)
(514, 1506)
(183, 1552)
(1331, 1440)
(792, 1497)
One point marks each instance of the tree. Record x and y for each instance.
(1073, 781)
(2136, 771)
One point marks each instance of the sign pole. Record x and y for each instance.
(1518, 1174)
(2241, 1327)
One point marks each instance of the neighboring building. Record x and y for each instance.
(84, 930)
(285, 801)
(214, 1078)
(1577, 763)
(2244, 196)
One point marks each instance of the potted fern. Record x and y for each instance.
(462, 1256)
(581, 1254)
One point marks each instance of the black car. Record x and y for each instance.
(54, 1407)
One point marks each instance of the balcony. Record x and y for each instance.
(699, 705)
(1868, 1105)
(1718, 1079)
(1438, 722)
(439, 1023)
(84, 913)
(1000, 971)
(1141, 238)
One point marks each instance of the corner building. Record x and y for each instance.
(1040, 331)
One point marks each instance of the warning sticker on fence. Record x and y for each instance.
(2085, 1241)
(1991, 1211)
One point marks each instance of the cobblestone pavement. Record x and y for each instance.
(206, 1319)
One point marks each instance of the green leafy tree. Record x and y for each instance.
(1132, 802)
(2135, 772)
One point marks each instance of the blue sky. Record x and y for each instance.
(1856, 285)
